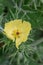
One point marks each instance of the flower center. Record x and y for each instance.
(16, 33)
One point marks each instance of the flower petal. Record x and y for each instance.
(18, 23)
(18, 42)
(26, 27)
(21, 39)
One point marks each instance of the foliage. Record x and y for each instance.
(30, 52)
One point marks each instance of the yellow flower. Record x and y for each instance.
(17, 30)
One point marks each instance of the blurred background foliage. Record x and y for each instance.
(30, 52)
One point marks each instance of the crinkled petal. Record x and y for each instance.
(11, 26)
(18, 23)
(26, 28)
(18, 42)
(21, 39)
